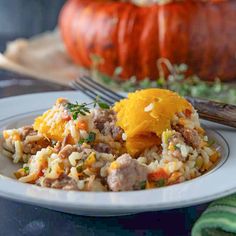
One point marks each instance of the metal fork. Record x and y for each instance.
(94, 89)
(209, 110)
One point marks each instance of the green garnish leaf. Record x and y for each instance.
(81, 141)
(211, 142)
(160, 183)
(83, 109)
(103, 105)
(176, 147)
(91, 138)
(143, 184)
(77, 109)
(27, 170)
(79, 168)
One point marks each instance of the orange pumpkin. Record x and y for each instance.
(198, 33)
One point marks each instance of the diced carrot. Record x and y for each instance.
(150, 185)
(82, 125)
(70, 140)
(40, 173)
(159, 174)
(214, 157)
(16, 137)
(188, 113)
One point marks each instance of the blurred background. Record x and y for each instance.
(189, 63)
(24, 18)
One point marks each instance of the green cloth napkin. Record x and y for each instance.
(219, 219)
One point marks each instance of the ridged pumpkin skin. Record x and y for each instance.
(200, 34)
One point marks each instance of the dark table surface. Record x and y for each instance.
(22, 219)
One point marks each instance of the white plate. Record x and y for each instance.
(20, 110)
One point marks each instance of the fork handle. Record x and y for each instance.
(221, 113)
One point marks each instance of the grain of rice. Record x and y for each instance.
(18, 152)
(80, 184)
(75, 156)
(33, 138)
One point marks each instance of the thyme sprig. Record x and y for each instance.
(26, 170)
(84, 108)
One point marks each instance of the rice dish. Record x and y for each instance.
(151, 139)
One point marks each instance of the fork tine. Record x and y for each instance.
(90, 92)
(101, 88)
(76, 86)
(97, 93)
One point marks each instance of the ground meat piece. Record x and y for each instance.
(31, 148)
(191, 136)
(34, 146)
(66, 151)
(64, 182)
(116, 132)
(27, 131)
(104, 121)
(102, 147)
(128, 175)
(176, 138)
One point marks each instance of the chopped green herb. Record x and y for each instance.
(160, 183)
(143, 184)
(211, 142)
(91, 138)
(81, 141)
(27, 170)
(50, 170)
(176, 147)
(83, 108)
(77, 109)
(79, 168)
(103, 105)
